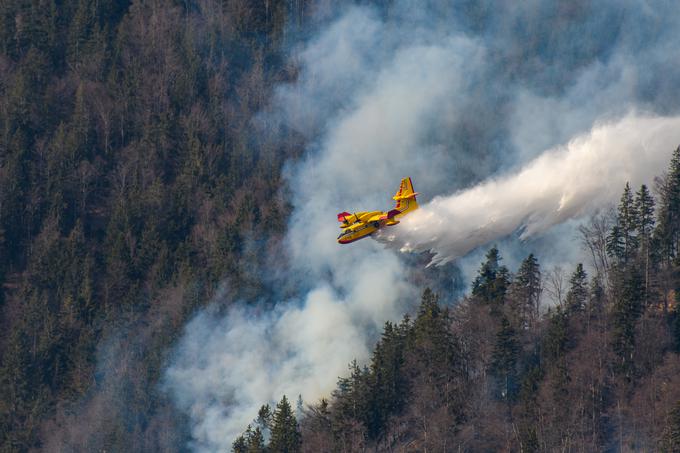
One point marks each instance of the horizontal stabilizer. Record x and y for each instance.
(405, 197)
(392, 213)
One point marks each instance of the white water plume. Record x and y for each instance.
(565, 182)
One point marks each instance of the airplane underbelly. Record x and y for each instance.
(352, 236)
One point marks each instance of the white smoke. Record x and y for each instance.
(566, 182)
(379, 100)
(230, 365)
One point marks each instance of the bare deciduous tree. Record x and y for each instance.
(594, 240)
(555, 284)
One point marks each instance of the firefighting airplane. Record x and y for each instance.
(362, 224)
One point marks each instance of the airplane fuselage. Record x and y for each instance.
(362, 224)
(358, 231)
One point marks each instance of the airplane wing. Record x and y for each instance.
(347, 219)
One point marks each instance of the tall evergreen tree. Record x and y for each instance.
(240, 445)
(644, 207)
(388, 384)
(285, 437)
(437, 353)
(625, 313)
(668, 225)
(264, 420)
(256, 443)
(577, 295)
(491, 283)
(526, 292)
(614, 243)
(644, 210)
(623, 241)
(557, 338)
(505, 357)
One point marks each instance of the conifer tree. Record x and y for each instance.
(625, 313)
(492, 280)
(526, 292)
(578, 290)
(240, 445)
(504, 358)
(623, 242)
(596, 296)
(285, 435)
(437, 352)
(644, 210)
(614, 243)
(256, 442)
(556, 339)
(644, 206)
(668, 225)
(388, 386)
(264, 420)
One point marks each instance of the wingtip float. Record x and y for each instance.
(362, 224)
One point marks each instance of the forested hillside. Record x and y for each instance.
(133, 178)
(596, 370)
(145, 171)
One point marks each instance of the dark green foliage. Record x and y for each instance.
(264, 418)
(387, 381)
(557, 337)
(527, 410)
(623, 240)
(252, 441)
(644, 210)
(596, 298)
(492, 280)
(256, 442)
(577, 296)
(668, 224)
(240, 445)
(525, 292)
(504, 359)
(626, 311)
(644, 206)
(285, 436)
(436, 351)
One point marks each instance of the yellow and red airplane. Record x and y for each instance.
(362, 224)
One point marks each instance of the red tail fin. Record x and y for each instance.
(342, 215)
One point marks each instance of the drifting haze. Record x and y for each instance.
(453, 96)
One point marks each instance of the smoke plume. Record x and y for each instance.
(464, 97)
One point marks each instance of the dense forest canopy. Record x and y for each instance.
(132, 179)
(147, 167)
